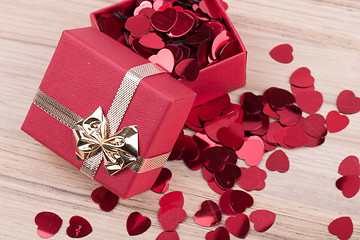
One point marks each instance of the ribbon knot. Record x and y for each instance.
(92, 137)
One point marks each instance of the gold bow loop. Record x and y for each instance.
(92, 136)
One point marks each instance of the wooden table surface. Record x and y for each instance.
(325, 35)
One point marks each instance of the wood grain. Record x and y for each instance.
(325, 35)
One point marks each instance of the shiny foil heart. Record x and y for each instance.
(252, 151)
(161, 184)
(172, 199)
(208, 215)
(262, 219)
(137, 224)
(310, 102)
(349, 166)
(278, 161)
(335, 122)
(48, 224)
(170, 216)
(348, 103)
(302, 78)
(220, 233)
(227, 177)
(348, 185)
(78, 227)
(252, 178)
(341, 227)
(240, 200)
(238, 226)
(165, 59)
(165, 20)
(282, 53)
(106, 199)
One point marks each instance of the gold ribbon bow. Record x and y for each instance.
(92, 136)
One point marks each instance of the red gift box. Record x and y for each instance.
(85, 72)
(215, 80)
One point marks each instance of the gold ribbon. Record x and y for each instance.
(96, 137)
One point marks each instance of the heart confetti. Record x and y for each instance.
(231, 136)
(348, 103)
(165, 59)
(282, 53)
(48, 224)
(106, 199)
(335, 122)
(188, 69)
(252, 151)
(220, 233)
(168, 236)
(251, 178)
(310, 102)
(137, 224)
(348, 185)
(227, 177)
(262, 219)
(341, 227)
(238, 226)
(172, 199)
(278, 161)
(240, 200)
(170, 216)
(78, 227)
(208, 215)
(349, 166)
(302, 78)
(161, 184)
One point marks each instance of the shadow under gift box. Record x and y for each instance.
(85, 73)
(215, 80)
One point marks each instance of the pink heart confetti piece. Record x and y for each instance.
(106, 199)
(238, 226)
(143, 5)
(282, 53)
(310, 102)
(161, 184)
(78, 227)
(137, 224)
(302, 78)
(348, 103)
(208, 215)
(220, 233)
(278, 161)
(341, 227)
(252, 151)
(262, 219)
(335, 122)
(165, 59)
(48, 224)
(348, 185)
(349, 166)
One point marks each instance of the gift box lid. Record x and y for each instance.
(85, 72)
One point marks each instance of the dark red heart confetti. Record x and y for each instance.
(208, 215)
(165, 20)
(302, 78)
(183, 25)
(137, 224)
(48, 224)
(278, 161)
(349, 166)
(113, 27)
(106, 199)
(238, 226)
(310, 102)
(335, 122)
(188, 69)
(282, 53)
(251, 103)
(168, 236)
(224, 203)
(227, 177)
(348, 103)
(209, 111)
(240, 200)
(220, 233)
(231, 136)
(214, 158)
(290, 115)
(173, 199)
(251, 178)
(341, 227)
(230, 49)
(78, 227)
(348, 185)
(170, 216)
(280, 98)
(138, 25)
(252, 151)
(161, 184)
(268, 111)
(191, 151)
(262, 219)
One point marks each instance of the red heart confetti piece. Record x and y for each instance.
(341, 227)
(198, 35)
(251, 103)
(348, 185)
(219, 41)
(170, 217)
(137, 224)
(282, 53)
(302, 78)
(240, 200)
(290, 115)
(214, 158)
(314, 125)
(168, 236)
(310, 102)
(262, 219)
(280, 98)
(161, 184)
(208, 215)
(268, 111)
(251, 178)
(48, 224)
(231, 136)
(212, 127)
(209, 111)
(78, 227)
(106, 199)
(265, 123)
(183, 25)
(173, 199)
(278, 161)
(191, 151)
(152, 40)
(208, 7)
(348, 103)
(224, 203)
(238, 226)
(252, 151)
(164, 21)
(296, 137)
(349, 166)
(250, 122)
(230, 49)
(279, 137)
(139, 49)
(138, 25)
(195, 164)
(165, 59)
(227, 177)
(335, 122)
(188, 69)
(220, 233)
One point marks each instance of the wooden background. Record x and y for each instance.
(325, 35)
